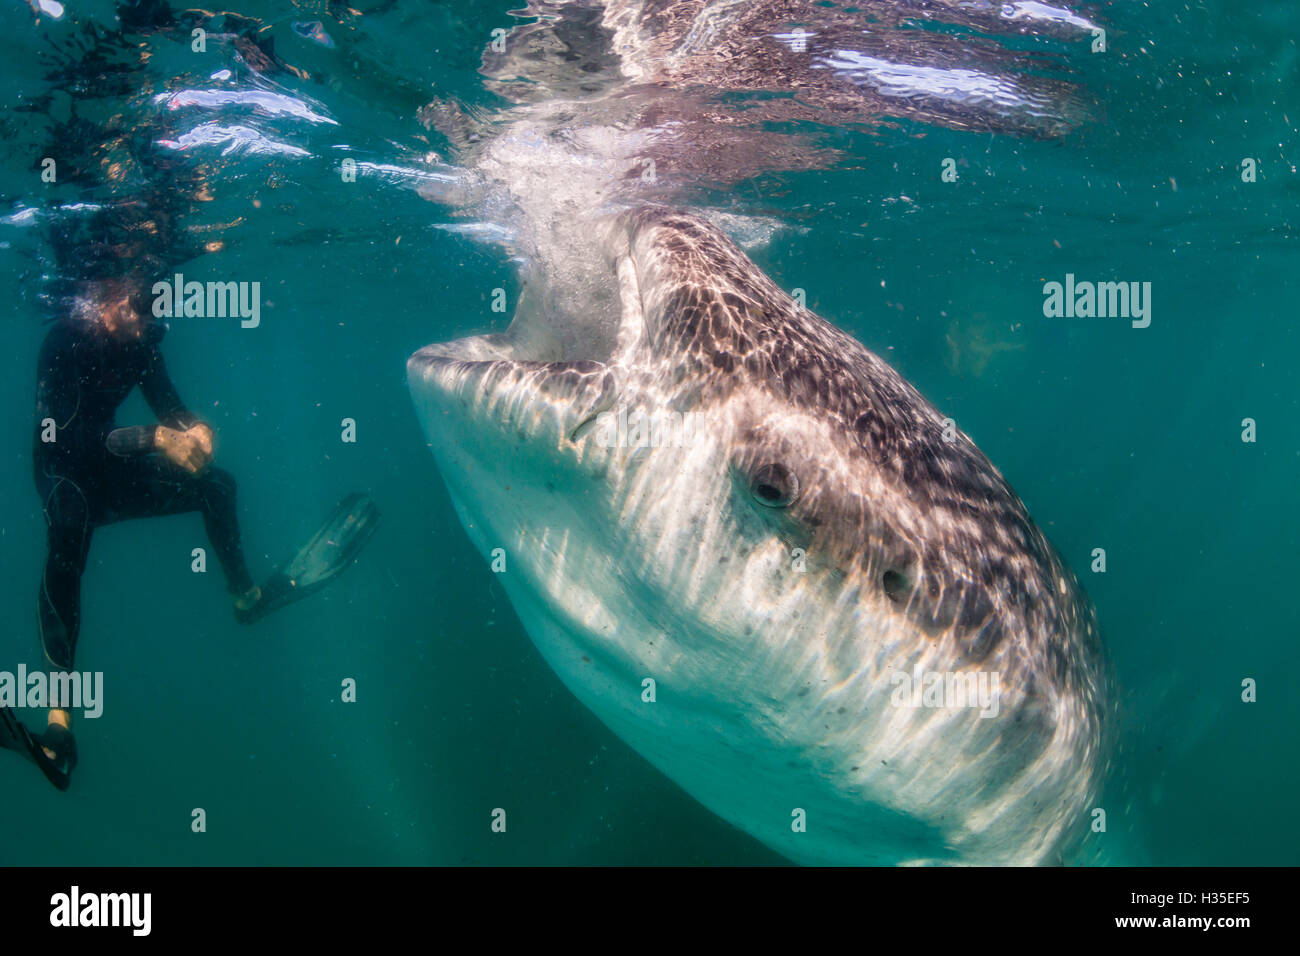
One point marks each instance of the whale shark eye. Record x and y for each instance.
(774, 486)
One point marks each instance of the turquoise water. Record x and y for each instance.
(1119, 438)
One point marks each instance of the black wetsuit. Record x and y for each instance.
(84, 374)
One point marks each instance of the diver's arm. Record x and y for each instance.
(166, 403)
(133, 441)
(58, 392)
(181, 438)
(162, 397)
(136, 440)
(190, 449)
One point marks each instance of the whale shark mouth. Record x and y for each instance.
(505, 378)
(557, 399)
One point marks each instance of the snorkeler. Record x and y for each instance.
(90, 473)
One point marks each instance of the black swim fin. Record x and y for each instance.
(15, 736)
(330, 551)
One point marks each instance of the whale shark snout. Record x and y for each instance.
(774, 569)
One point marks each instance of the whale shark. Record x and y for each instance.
(822, 531)
(740, 538)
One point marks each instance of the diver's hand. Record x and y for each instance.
(202, 433)
(184, 449)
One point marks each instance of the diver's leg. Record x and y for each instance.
(216, 488)
(221, 521)
(68, 517)
(70, 526)
(142, 488)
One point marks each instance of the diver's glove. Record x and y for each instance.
(190, 450)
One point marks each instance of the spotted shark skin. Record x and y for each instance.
(824, 531)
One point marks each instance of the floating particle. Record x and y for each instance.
(313, 30)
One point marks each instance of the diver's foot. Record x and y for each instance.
(244, 604)
(60, 748)
(57, 718)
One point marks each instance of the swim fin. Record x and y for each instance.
(15, 736)
(331, 550)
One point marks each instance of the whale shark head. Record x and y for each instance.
(774, 569)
